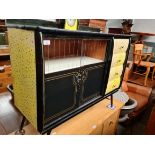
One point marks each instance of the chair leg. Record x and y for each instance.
(146, 76)
(153, 73)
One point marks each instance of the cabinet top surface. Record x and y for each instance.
(97, 113)
(66, 32)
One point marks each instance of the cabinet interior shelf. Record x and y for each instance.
(67, 63)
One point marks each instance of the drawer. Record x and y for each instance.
(118, 59)
(89, 122)
(113, 84)
(110, 124)
(4, 51)
(120, 45)
(96, 128)
(115, 72)
(5, 62)
(3, 89)
(4, 82)
(5, 75)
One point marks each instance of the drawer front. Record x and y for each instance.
(96, 128)
(109, 126)
(113, 84)
(3, 84)
(6, 72)
(3, 89)
(81, 127)
(5, 81)
(4, 51)
(118, 59)
(120, 45)
(5, 75)
(115, 72)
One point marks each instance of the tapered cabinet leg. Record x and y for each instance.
(21, 131)
(111, 105)
(49, 132)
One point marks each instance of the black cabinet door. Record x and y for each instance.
(61, 95)
(92, 82)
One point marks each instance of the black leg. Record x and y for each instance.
(22, 123)
(21, 131)
(111, 105)
(48, 132)
(111, 100)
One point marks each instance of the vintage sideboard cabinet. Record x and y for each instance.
(59, 73)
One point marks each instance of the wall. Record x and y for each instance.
(140, 25)
(145, 25)
(114, 23)
(148, 26)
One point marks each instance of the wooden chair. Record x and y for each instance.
(138, 60)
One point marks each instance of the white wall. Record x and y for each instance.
(114, 23)
(145, 25)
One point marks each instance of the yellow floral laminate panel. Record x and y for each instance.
(120, 45)
(115, 72)
(119, 55)
(113, 84)
(23, 64)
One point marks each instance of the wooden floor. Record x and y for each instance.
(10, 117)
(139, 79)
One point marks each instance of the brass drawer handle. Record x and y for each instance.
(111, 123)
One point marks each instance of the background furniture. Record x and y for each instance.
(140, 93)
(62, 73)
(5, 78)
(138, 61)
(5, 73)
(93, 23)
(141, 35)
(96, 120)
(115, 30)
(3, 27)
(150, 125)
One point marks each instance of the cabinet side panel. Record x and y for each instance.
(23, 64)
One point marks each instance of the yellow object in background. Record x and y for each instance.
(71, 24)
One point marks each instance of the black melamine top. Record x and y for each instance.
(57, 31)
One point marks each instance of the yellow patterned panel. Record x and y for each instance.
(118, 59)
(22, 54)
(119, 55)
(120, 45)
(113, 84)
(115, 72)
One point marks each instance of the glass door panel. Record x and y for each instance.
(61, 54)
(92, 68)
